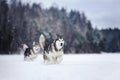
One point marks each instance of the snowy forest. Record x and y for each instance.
(23, 23)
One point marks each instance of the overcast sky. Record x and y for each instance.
(102, 13)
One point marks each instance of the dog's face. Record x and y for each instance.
(59, 42)
(36, 47)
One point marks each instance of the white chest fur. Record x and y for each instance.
(55, 57)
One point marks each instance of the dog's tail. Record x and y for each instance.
(42, 41)
(25, 46)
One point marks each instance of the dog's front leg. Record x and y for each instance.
(59, 59)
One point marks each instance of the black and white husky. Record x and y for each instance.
(31, 53)
(52, 52)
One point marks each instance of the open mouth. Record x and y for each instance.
(61, 44)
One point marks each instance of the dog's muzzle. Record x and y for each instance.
(61, 44)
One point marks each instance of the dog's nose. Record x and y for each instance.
(61, 44)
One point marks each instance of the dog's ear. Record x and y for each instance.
(59, 36)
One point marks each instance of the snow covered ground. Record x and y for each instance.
(73, 67)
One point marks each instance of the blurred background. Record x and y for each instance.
(87, 28)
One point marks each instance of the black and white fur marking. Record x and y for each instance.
(52, 52)
(31, 53)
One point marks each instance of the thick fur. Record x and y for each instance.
(36, 47)
(52, 52)
(30, 53)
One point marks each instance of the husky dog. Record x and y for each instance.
(31, 53)
(52, 52)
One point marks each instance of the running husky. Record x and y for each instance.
(31, 53)
(52, 52)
